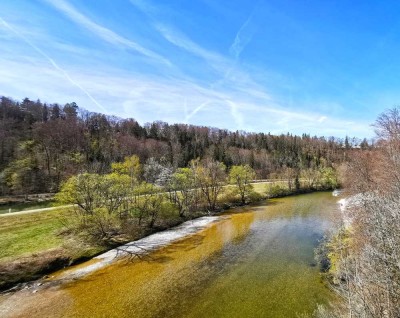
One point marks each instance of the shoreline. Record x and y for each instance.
(140, 246)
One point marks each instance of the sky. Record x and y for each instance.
(325, 68)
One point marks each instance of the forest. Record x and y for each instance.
(42, 145)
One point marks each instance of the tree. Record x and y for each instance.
(183, 190)
(366, 271)
(156, 172)
(83, 190)
(210, 176)
(241, 176)
(149, 204)
(131, 167)
(23, 175)
(97, 201)
(329, 178)
(311, 176)
(71, 140)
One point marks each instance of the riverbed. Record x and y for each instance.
(256, 261)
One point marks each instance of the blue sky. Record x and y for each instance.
(319, 67)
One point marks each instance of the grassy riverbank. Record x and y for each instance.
(34, 244)
(31, 245)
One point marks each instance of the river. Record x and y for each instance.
(256, 261)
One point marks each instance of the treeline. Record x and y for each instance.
(42, 145)
(363, 255)
(121, 206)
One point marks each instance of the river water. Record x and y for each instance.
(256, 261)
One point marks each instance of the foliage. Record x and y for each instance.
(130, 167)
(241, 176)
(328, 178)
(183, 191)
(277, 190)
(210, 177)
(99, 199)
(364, 252)
(66, 140)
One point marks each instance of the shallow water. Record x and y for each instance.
(255, 262)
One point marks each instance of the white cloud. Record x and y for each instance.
(149, 98)
(322, 119)
(53, 63)
(230, 99)
(102, 32)
(242, 38)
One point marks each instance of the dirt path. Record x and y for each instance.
(67, 206)
(35, 210)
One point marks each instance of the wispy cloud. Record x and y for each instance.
(237, 116)
(202, 87)
(148, 98)
(103, 32)
(233, 89)
(196, 110)
(179, 39)
(243, 37)
(322, 119)
(52, 62)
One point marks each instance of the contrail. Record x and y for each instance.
(235, 113)
(53, 63)
(196, 110)
(243, 37)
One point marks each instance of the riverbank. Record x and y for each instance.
(17, 273)
(35, 245)
(138, 248)
(254, 261)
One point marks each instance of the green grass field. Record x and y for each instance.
(22, 235)
(262, 187)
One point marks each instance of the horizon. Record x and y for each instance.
(319, 69)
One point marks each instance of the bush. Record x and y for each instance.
(254, 196)
(276, 191)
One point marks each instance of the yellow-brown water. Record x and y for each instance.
(256, 262)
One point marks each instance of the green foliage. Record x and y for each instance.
(254, 196)
(23, 175)
(84, 190)
(277, 190)
(148, 204)
(332, 251)
(210, 177)
(131, 167)
(64, 144)
(329, 178)
(183, 190)
(98, 200)
(241, 176)
(230, 195)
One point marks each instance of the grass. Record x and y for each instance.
(263, 188)
(17, 207)
(260, 188)
(30, 246)
(21, 235)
